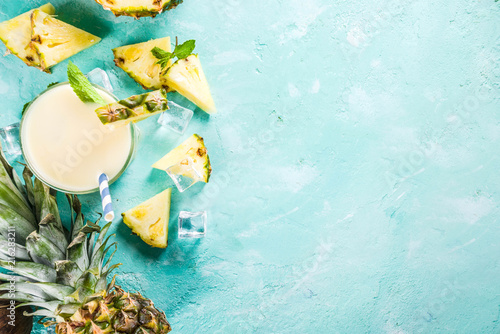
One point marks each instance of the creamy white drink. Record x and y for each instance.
(67, 146)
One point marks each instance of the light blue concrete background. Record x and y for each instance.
(356, 164)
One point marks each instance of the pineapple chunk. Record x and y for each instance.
(140, 64)
(16, 34)
(149, 220)
(55, 41)
(194, 148)
(134, 109)
(138, 8)
(187, 78)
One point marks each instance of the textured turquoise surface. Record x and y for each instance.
(356, 164)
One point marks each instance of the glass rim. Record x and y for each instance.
(133, 133)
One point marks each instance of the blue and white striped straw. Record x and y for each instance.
(107, 206)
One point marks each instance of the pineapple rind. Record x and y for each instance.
(16, 35)
(54, 40)
(140, 64)
(134, 109)
(193, 147)
(186, 76)
(149, 220)
(149, 8)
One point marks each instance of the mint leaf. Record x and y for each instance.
(163, 56)
(181, 51)
(25, 107)
(185, 49)
(160, 53)
(82, 86)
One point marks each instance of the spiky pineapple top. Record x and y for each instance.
(60, 272)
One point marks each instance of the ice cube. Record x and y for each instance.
(192, 224)
(10, 139)
(184, 174)
(99, 77)
(176, 117)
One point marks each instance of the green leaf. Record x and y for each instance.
(42, 250)
(181, 51)
(52, 84)
(82, 86)
(25, 107)
(33, 271)
(162, 56)
(160, 53)
(185, 49)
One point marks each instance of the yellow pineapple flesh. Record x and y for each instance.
(149, 220)
(138, 8)
(55, 41)
(140, 64)
(16, 35)
(193, 148)
(186, 76)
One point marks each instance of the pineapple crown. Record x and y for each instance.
(55, 269)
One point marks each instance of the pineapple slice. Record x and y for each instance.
(140, 64)
(134, 109)
(138, 8)
(55, 41)
(16, 34)
(186, 77)
(149, 220)
(194, 148)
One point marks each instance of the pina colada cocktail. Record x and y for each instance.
(66, 145)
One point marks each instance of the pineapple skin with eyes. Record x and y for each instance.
(140, 64)
(149, 220)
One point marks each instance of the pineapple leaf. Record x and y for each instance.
(49, 229)
(28, 183)
(51, 305)
(35, 271)
(82, 86)
(10, 218)
(8, 278)
(6, 250)
(22, 297)
(68, 272)
(11, 199)
(45, 203)
(77, 251)
(42, 250)
(9, 177)
(27, 288)
(54, 290)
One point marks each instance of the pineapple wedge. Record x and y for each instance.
(138, 8)
(55, 41)
(194, 148)
(187, 78)
(149, 220)
(134, 109)
(16, 35)
(140, 64)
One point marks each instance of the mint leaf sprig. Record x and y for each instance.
(82, 86)
(181, 51)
